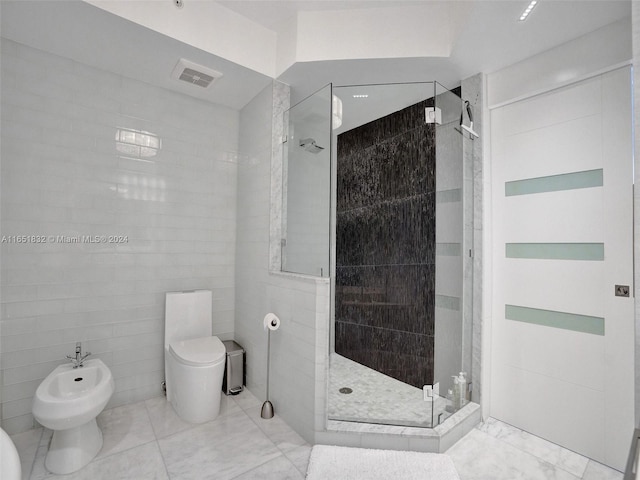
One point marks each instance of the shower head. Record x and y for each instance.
(309, 144)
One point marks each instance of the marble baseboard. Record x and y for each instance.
(395, 437)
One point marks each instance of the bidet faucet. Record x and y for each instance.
(79, 358)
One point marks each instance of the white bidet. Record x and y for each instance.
(10, 468)
(68, 402)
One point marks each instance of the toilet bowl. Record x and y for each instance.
(194, 358)
(68, 402)
(194, 378)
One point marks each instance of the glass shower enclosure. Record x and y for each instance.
(374, 192)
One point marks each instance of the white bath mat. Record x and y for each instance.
(345, 463)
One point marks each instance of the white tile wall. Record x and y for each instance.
(62, 174)
(253, 235)
(299, 347)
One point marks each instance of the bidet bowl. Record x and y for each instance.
(70, 397)
(10, 468)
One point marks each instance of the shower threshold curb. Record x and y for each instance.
(368, 435)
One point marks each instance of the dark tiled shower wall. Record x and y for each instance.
(385, 245)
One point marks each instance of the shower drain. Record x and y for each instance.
(345, 390)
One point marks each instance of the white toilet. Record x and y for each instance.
(193, 358)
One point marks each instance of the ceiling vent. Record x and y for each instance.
(195, 74)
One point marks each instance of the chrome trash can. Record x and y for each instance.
(233, 380)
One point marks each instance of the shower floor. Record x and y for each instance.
(378, 398)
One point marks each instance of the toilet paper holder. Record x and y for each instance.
(271, 323)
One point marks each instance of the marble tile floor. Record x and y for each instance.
(378, 398)
(497, 451)
(147, 440)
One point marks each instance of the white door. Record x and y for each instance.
(562, 361)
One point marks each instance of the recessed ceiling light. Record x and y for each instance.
(527, 10)
(360, 95)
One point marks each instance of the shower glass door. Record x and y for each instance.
(385, 224)
(453, 244)
(398, 333)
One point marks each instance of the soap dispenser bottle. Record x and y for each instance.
(462, 389)
(450, 406)
(456, 394)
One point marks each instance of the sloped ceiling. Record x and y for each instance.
(89, 35)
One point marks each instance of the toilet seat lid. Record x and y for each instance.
(199, 351)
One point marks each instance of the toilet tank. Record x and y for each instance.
(187, 315)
